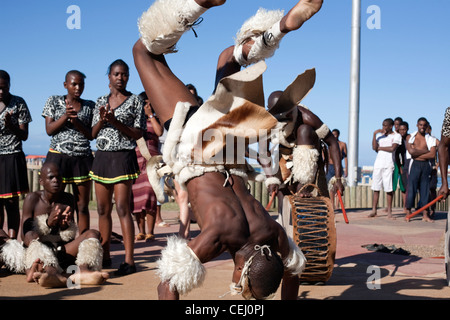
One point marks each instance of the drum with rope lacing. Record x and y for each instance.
(314, 231)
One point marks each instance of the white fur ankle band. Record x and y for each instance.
(163, 24)
(180, 267)
(37, 250)
(264, 29)
(90, 253)
(12, 254)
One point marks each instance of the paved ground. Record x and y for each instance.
(410, 277)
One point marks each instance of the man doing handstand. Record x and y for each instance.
(231, 219)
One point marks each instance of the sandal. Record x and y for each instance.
(140, 236)
(149, 237)
(125, 269)
(163, 224)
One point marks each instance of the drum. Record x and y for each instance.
(314, 231)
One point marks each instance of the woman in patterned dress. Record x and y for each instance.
(119, 120)
(144, 203)
(68, 120)
(14, 119)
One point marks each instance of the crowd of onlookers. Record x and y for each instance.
(407, 161)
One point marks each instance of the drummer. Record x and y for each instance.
(300, 160)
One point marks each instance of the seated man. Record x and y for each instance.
(231, 219)
(50, 241)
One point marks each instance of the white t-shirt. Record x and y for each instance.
(384, 159)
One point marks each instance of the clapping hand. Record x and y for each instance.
(60, 218)
(107, 114)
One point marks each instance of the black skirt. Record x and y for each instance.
(114, 166)
(13, 175)
(72, 169)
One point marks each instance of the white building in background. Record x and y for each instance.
(366, 176)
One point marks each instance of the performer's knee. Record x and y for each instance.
(306, 135)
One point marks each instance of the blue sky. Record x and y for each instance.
(405, 66)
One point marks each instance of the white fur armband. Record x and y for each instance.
(305, 163)
(180, 267)
(322, 131)
(333, 180)
(40, 225)
(12, 254)
(272, 180)
(70, 233)
(296, 261)
(42, 229)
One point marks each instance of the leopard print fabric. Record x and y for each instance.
(446, 124)
(9, 142)
(69, 140)
(130, 113)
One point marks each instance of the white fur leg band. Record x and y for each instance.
(295, 263)
(12, 254)
(37, 250)
(90, 253)
(322, 132)
(180, 267)
(163, 24)
(305, 163)
(264, 29)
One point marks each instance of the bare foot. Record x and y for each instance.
(373, 214)
(390, 216)
(37, 266)
(299, 14)
(427, 218)
(90, 277)
(50, 279)
(210, 3)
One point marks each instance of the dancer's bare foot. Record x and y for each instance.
(90, 277)
(299, 14)
(50, 279)
(210, 3)
(37, 266)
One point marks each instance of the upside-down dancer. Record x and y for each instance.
(231, 219)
